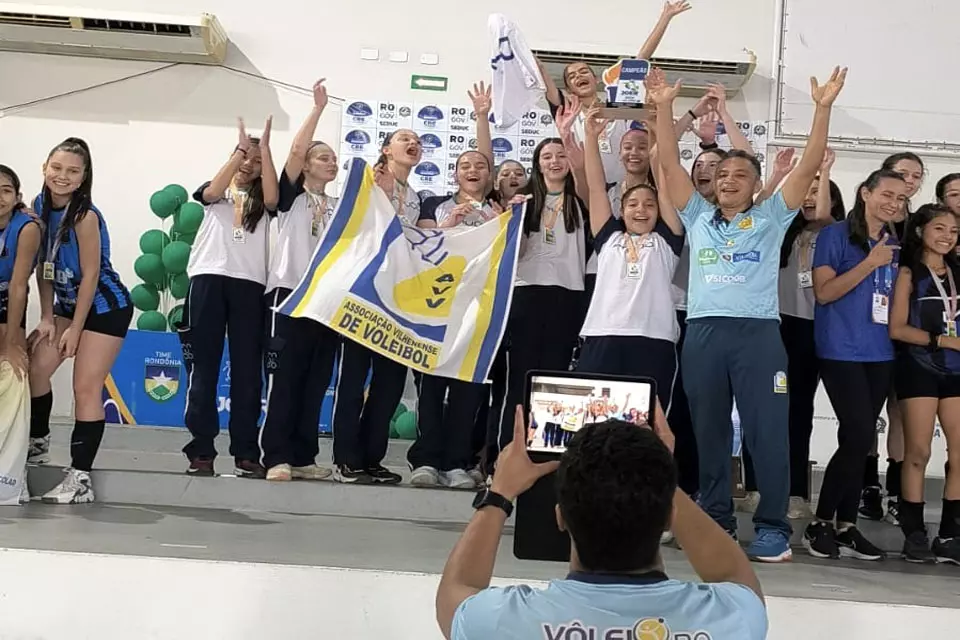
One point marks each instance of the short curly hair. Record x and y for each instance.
(615, 489)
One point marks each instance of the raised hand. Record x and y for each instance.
(482, 100)
(655, 79)
(593, 124)
(265, 136)
(718, 94)
(567, 114)
(882, 253)
(675, 8)
(785, 161)
(829, 156)
(826, 95)
(707, 127)
(244, 142)
(384, 179)
(665, 94)
(320, 98)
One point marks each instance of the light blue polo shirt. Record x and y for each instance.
(613, 611)
(735, 266)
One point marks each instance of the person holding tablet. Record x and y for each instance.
(733, 335)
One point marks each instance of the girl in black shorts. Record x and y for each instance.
(927, 375)
(85, 312)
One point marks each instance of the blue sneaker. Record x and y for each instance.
(770, 545)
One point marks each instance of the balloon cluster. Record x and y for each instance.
(403, 425)
(163, 264)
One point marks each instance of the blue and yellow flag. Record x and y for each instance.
(435, 300)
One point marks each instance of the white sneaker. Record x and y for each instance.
(39, 451)
(425, 477)
(458, 479)
(750, 502)
(280, 473)
(476, 474)
(310, 472)
(76, 488)
(666, 537)
(24, 491)
(799, 509)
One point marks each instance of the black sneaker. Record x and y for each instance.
(820, 541)
(249, 469)
(893, 511)
(947, 550)
(201, 467)
(871, 503)
(852, 544)
(382, 475)
(916, 549)
(349, 475)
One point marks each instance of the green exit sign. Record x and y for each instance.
(428, 83)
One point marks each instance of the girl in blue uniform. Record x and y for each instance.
(19, 241)
(85, 312)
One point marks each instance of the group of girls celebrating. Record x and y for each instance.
(85, 309)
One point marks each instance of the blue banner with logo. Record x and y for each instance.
(148, 384)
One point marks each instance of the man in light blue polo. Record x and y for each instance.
(733, 334)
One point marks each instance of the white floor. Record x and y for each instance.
(49, 595)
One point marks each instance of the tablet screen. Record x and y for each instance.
(561, 406)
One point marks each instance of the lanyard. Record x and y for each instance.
(633, 251)
(239, 201)
(805, 248)
(54, 240)
(399, 200)
(886, 285)
(949, 303)
(3, 236)
(550, 220)
(319, 202)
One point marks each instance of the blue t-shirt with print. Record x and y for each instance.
(612, 609)
(735, 265)
(844, 329)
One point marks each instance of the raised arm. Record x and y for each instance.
(482, 101)
(268, 171)
(552, 94)
(737, 139)
(782, 166)
(304, 138)
(676, 180)
(795, 188)
(600, 211)
(218, 186)
(670, 11)
(566, 114)
(824, 203)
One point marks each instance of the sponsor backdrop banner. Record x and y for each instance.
(434, 300)
(148, 384)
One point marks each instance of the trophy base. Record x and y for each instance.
(632, 112)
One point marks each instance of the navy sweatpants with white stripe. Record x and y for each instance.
(298, 359)
(218, 307)
(632, 356)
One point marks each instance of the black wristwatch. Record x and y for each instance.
(487, 498)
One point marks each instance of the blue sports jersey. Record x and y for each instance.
(735, 265)
(9, 239)
(928, 313)
(612, 607)
(110, 294)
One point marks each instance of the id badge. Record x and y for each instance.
(605, 146)
(950, 326)
(805, 279)
(633, 270)
(48, 271)
(549, 236)
(315, 228)
(881, 309)
(239, 236)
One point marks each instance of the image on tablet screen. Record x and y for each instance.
(562, 406)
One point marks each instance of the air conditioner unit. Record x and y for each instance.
(696, 75)
(112, 34)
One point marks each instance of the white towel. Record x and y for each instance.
(14, 433)
(517, 83)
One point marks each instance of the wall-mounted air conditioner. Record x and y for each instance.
(696, 74)
(112, 34)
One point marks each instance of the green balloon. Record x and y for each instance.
(163, 204)
(145, 297)
(407, 426)
(187, 237)
(177, 192)
(149, 268)
(176, 256)
(179, 285)
(189, 217)
(393, 430)
(401, 409)
(152, 321)
(154, 241)
(175, 316)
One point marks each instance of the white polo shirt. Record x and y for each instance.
(297, 232)
(439, 208)
(634, 299)
(217, 252)
(560, 263)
